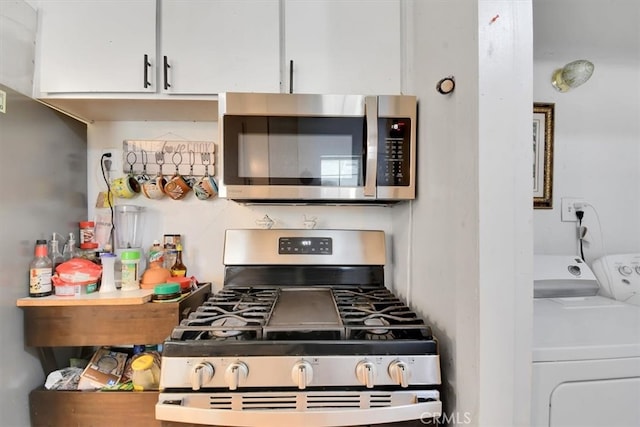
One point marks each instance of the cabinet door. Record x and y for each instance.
(220, 46)
(96, 46)
(348, 46)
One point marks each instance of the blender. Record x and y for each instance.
(128, 226)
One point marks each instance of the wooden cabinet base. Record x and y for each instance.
(54, 408)
(87, 326)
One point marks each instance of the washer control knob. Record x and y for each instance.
(302, 374)
(399, 372)
(235, 373)
(625, 270)
(366, 373)
(201, 374)
(638, 269)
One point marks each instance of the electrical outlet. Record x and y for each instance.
(111, 164)
(568, 209)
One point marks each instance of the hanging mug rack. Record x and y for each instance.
(146, 158)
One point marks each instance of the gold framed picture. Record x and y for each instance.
(543, 122)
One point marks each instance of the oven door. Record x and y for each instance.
(296, 147)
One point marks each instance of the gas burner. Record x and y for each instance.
(376, 321)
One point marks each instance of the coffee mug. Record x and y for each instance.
(177, 187)
(206, 187)
(125, 187)
(153, 188)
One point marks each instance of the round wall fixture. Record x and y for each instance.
(446, 85)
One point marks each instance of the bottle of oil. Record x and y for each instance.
(179, 269)
(40, 271)
(54, 251)
(70, 250)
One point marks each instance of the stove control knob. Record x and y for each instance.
(399, 372)
(366, 372)
(235, 373)
(201, 374)
(302, 374)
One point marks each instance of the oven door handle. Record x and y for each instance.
(174, 410)
(371, 166)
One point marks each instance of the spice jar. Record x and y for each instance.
(130, 260)
(87, 235)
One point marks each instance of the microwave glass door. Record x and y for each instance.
(307, 151)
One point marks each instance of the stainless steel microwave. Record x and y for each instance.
(304, 148)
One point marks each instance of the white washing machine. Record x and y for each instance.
(619, 277)
(586, 349)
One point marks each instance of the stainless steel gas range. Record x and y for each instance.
(303, 332)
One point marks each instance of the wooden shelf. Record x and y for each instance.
(92, 408)
(87, 325)
(105, 325)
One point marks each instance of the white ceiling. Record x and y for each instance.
(602, 29)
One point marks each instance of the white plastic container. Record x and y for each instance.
(108, 283)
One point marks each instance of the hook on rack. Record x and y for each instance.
(134, 156)
(144, 176)
(192, 161)
(206, 161)
(178, 155)
(159, 160)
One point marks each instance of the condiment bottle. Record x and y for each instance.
(155, 248)
(87, 235)
(40, 271)
(179, 269)
(70, 250)
(54, 252)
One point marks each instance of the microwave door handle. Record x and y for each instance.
(371, 116)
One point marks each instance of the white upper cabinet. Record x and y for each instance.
(96, 46)
(18, 22)
(347, 46)
(204, 47)
(220, 46)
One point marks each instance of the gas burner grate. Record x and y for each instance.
(247, 313)
(232, 313)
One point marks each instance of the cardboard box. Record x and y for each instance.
(104, 369)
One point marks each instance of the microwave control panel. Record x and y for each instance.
(394, 144)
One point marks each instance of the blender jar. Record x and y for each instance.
(128, 226)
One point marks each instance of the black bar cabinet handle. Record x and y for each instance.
(146, 71)
(166, 73)
(291, 76)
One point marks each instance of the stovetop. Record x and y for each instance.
(300, 313)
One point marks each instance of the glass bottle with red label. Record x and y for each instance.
(40, 271)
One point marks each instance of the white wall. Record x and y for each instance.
(597, 125)
(202, 223)
(468, 237)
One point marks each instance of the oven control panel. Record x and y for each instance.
(305, 246)
(300, 372)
